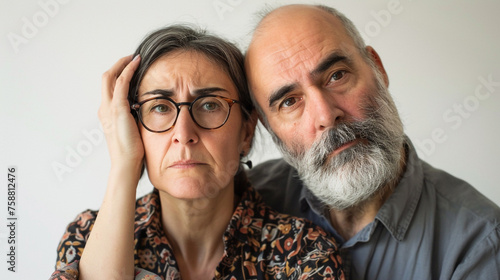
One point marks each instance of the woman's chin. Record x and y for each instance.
(191, 188)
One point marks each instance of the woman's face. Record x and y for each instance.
(189, 162)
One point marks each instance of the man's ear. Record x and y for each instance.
(378, 63)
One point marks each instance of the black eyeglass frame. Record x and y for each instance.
(136, 106)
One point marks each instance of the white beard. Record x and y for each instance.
(359, 172)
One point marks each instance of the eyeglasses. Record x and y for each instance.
(159, 114)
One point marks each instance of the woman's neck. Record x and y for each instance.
(195, 229)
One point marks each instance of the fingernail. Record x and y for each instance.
(136, 57)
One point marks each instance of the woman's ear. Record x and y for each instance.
(378, 63)
(249, 131)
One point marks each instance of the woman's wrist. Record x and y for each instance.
(129, 169)
(124, 175)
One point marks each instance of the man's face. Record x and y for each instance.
(326, 107)
(307, 76)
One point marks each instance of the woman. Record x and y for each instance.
(194, 121)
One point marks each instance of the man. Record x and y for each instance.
(322, 94)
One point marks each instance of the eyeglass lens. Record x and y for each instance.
(207, 112)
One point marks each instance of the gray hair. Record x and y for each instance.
(182, 37)
(350, 29)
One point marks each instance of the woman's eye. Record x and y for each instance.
(210, 106)
(338, 75)
(160, 108)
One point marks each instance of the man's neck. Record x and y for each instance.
(350, 221)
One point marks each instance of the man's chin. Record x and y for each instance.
(341, 197)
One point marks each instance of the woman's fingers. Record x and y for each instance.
(122, 134)
(122, 84)
(120, 73)
(109, 78)
(115, 86)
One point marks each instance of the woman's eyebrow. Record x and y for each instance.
(196, 93)
(162, 92)
(206, 91)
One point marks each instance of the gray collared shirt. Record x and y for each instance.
(433, 226)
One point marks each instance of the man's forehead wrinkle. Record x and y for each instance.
(294, 59)
(299, 55)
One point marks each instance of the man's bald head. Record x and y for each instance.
(287, 23)
(290, 12)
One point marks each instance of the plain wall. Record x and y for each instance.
(442, 59)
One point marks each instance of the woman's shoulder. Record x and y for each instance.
(293, 242)
(83, 221)
(73, 241)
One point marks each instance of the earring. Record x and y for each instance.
(248, 162)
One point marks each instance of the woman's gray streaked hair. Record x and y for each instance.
(183, 37)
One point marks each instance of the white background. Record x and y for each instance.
(436, 55)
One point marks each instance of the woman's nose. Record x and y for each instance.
(185, 129)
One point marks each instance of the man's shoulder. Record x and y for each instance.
(466, 226)
(270, 174)
(272, 166)
(460, 197)
(279, 185)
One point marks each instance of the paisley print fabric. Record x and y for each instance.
(259, 244)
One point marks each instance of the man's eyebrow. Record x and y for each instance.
(278, 94)
(328, 62)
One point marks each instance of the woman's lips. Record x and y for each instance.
(186, 164)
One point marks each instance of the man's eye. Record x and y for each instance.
(288, 102)
(337, 75)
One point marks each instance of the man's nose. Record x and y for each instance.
(324, 109)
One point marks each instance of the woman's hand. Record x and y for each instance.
(120, 128)
(109, 252)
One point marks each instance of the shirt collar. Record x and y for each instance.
(398, 211)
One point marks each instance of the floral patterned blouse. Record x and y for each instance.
(259, 244)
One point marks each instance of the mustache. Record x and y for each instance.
(338, 136)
